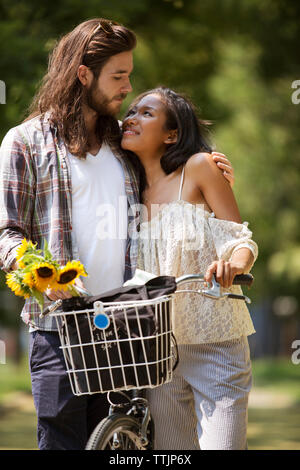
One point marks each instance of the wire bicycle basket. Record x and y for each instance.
(123, 339)
(119, 345)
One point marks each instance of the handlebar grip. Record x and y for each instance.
(51, 308)
(45, 312)
(243, 280)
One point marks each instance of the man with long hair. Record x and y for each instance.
(57, 168)
(57, 171)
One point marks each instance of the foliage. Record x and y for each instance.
(277, 373)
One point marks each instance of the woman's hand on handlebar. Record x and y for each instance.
(225, 272)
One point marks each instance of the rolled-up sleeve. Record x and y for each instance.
(17, 195)
(229, 237)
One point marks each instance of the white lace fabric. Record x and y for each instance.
(184, 238)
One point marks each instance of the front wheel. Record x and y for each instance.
(116, 432)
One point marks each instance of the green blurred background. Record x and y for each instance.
(237, 60)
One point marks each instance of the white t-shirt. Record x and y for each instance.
(99, 218)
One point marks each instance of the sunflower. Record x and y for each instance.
(44, 275)
(24, 248)
(15, 284)
(28, 279)
(20, 252)
(67, 275)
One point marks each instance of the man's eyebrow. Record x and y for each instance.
(121, 72)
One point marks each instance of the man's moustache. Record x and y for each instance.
(120, 97)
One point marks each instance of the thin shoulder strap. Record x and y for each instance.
(181, 184)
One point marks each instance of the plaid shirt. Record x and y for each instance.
(36, 201)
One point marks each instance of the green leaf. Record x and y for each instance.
(72, 289)
(38, 297)
(47, 252)
(31, 258)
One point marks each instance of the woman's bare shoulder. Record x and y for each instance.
(205, 174)
(202, 164)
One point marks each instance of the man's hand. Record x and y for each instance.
(61, 294)
(57, 294)
(224, 164)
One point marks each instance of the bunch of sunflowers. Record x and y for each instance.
(38, 271)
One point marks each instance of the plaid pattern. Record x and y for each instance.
(36, 201)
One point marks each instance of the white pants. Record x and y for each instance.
(206, 404)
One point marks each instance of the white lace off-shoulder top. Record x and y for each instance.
(184, 238)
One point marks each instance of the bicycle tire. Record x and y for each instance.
(127, 430)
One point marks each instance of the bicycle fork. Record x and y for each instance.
(139, 406)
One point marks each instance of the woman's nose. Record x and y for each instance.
(132, 118)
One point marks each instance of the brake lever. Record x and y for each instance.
(215, 292)
(236, 296)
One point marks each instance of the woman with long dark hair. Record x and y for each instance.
(191, 224)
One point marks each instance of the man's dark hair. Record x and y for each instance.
(91, 43)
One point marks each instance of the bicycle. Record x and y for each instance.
(117, 346)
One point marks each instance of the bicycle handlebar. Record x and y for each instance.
(240, 279)
(214, 289)
(243, 280)
(213, 292)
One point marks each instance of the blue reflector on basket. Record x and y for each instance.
(101, 321)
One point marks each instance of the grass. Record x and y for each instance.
(274, 417)
(17, 414)
(14, 378)
(274, 412)
(18, 423)
(274, 429)
(279, 375)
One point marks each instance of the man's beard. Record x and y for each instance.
(98, 101)
(107, 126)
